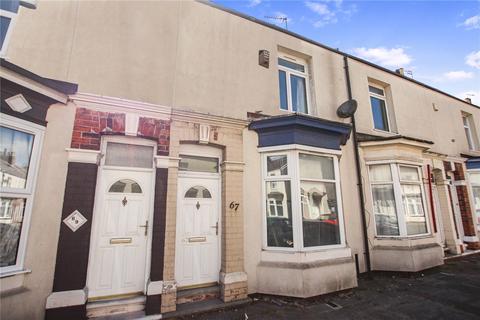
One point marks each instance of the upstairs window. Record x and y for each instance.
(293, 84)
(379, 108)
(468, 127)
(8, 12)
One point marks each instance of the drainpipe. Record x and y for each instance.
(359, 174)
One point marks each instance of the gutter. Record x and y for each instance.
(359, 174)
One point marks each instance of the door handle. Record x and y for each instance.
(145, 226)
(216, 228)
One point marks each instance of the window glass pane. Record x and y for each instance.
(376, 90)
(282, 83)
(291, 65)
(384, 209)
(475, 178)
(409, 174)
(379, 114)
(468, 134)
(319, 214)
(414, 213)
(299, 94)
(279, 214)
(198, 164)
(11, 217)
(476, 200)
(198, 192)
(4, 23)
(129, 155)
(380, 173)
(15, 151)
(125, 186)
(316, 167)
(277, 165)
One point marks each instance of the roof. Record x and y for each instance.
(298, 36)
(364, 137)
(57, 85)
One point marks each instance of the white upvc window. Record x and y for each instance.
(293, 84)
(7, 21)
(467, 126)
(20, 145)
(398, 199)
(302, 201)
(475, 184)
(378, 104)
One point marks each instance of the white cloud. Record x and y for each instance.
(458, 75)
(394, 57)
(254, 3)
(474, 95)
(472, 22)
(473, 59)
(328, 11)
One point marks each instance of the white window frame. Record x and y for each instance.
(292, 152)
(470, 173)
(467, 125)
(289, 72)
(12, 16)
(398, 194)
(28, 192)
(380, 97)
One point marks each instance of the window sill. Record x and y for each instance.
(416, 237)
(389, 133)
(14, 273)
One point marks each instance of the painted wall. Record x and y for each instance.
(45, 220)
(189, 55)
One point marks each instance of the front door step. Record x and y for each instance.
(203, 306)
(105, 308)
(198, 294)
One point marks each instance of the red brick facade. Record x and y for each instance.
(90, 125)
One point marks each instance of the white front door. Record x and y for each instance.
(119, 241)
(197, 248)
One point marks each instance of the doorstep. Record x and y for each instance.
(203, 306)
(456, 256)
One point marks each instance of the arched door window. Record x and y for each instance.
(198, 192)
(125, 186)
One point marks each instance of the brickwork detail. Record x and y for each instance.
(90, 125)
(156, 129)
(234, 291)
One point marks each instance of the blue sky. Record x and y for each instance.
(438, 41)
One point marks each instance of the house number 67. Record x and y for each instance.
(234, 205)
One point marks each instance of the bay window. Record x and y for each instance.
(19, 148)
(302, 201)
(398, 198)
(293, 84)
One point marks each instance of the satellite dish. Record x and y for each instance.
(347, 109)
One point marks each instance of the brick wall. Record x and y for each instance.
(90, 125)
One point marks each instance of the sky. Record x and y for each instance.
(437, 41)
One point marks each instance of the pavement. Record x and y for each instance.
(450, 292)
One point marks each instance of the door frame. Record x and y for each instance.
(202, 151)
(99, 188)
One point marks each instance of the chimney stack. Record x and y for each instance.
(400, 71)
(469, 100)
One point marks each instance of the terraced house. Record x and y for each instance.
(195, 155)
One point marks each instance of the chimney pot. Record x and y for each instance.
(469, 100)
(400, 71)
